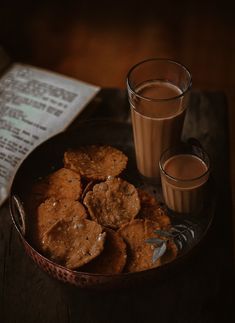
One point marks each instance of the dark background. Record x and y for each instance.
(98, 41)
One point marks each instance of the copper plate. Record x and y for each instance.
(49, 156)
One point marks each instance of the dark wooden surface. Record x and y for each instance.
(200, 290)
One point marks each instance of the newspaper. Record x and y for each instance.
(34, 105)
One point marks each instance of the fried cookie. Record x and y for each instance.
(112, 259)
(152, 210)
(73, 242)
(139, 252)
(113, 203)
(52, 210)
(96, 162)
(146, 199)
(63, 183)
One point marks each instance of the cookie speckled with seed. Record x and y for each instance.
(152, 210)
(96, 162)
(139, 252)
(112, 259)
(73, 242)
(63, 183)
(146, 199)
(52, 210)
(113, 203)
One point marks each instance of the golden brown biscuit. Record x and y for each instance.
(113, 203)
(139, 252)
(112, 259)
(63, 183)
(96, 162)
(146, 199)
(52, 210)
(73, 242)
(152, 210)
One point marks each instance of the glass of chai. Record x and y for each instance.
(158, 91)
(184, 174)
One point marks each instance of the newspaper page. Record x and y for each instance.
(34, 105)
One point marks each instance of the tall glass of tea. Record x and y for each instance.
(158, 92)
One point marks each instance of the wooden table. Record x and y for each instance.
(199, 291)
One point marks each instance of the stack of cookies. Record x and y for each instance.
(86, 217)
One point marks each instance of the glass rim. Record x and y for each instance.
(132, 90)
(175, 179)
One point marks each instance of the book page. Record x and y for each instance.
(34, 105)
